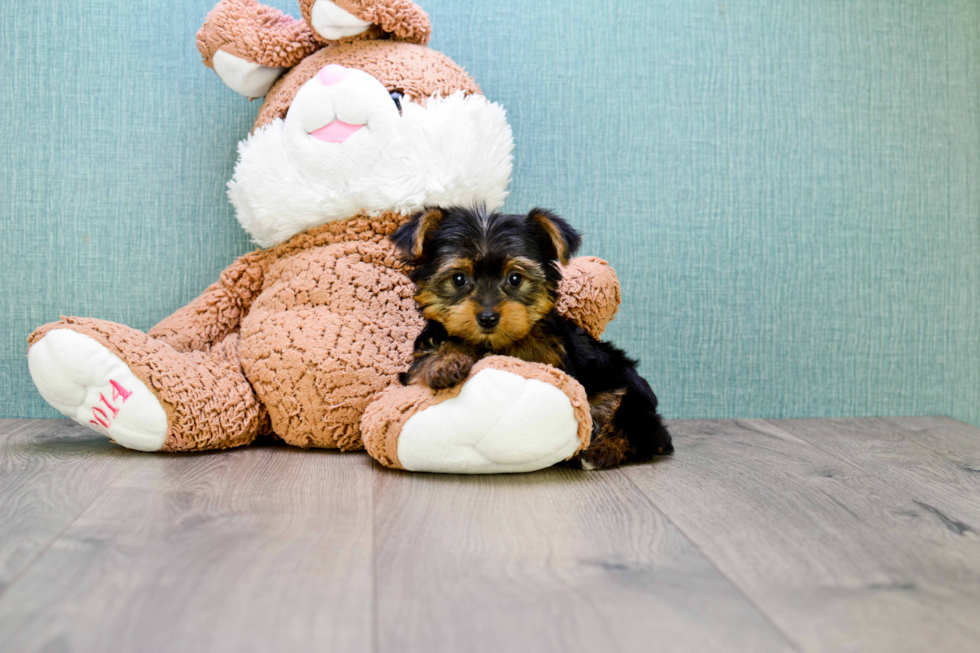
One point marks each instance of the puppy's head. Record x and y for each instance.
(486, 277)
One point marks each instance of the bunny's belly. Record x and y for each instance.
(333, 327)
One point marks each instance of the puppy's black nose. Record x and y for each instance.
(488, 319)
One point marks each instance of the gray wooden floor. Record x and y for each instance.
(800, 535)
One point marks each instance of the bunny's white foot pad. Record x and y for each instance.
(500, 422)
(91, 385)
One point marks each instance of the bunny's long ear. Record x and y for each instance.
(559, 241)
(345, 20)
(409, 239)
(250, 45)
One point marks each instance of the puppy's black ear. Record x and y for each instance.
(558, 239)
(409, 239)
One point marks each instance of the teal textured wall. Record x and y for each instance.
(788, 189)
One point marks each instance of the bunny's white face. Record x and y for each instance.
(339, 122)
(348, 146)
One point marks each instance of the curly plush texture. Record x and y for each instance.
(208, 401)
(265, 35)
(327, 320)
(589, 290)
(413, 70)
(299, 338)
(218, 310)
(256, 33)
(402, 20)
(333, 326)
(386, 416)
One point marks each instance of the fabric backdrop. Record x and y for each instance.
(787, 188)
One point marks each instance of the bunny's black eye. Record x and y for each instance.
(515, 279)
(397, 97)
(459, 279)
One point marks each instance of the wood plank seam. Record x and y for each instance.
(758, 608)
(951, 523)
(848, 593)
(47, 547)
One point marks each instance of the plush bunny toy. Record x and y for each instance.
(305, 338)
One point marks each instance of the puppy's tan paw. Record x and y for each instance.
(451, 371)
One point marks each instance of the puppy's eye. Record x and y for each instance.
(459, 280)
(515, 279)
(397, 97)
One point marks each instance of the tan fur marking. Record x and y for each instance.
(609, 447)
(515, 323)
(521, 264)
(553, 233)
(603, 407)
(463, 265)
(427, 223)
(541, 306)
(443, 368)
(538, 348)
(460, 321)
(607, 451)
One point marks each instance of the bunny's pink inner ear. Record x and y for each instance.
(348, 20)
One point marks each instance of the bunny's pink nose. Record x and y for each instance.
(332, 74)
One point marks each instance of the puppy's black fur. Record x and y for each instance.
(488, 283)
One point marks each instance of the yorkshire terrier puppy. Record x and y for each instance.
(487, 284)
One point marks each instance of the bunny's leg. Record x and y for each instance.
(508, 416)
(142, 393)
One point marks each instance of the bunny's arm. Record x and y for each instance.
(589, 293)
(218, 311)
